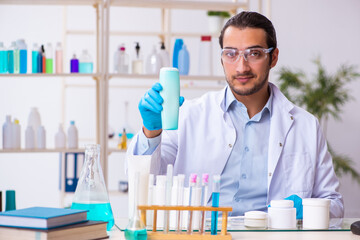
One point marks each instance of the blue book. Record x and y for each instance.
(42, 217)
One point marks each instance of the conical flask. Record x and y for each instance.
(91, 193)
(135, 230)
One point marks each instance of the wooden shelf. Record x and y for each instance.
(152, 76)
(46, 75)
(50, 2)
(41, 150)
(204, 5)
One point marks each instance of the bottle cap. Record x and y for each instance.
(193, 178)
(162, 46)
(282, 204)
(205, 38)
(205, 178)
(216, 178)
(16, 121)
(320, 202)
(72, 122)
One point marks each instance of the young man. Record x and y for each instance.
(263, 146)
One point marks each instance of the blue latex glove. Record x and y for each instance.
(297, 204)
(150, 107)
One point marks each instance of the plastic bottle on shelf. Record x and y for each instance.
(29, 138)
(184, 61)
(16, 134)
(43, 60)
(74, 64)
(85, 62)
(40, 60)
(7, 133)
(3, 59)
(22, 55)
(153, 62)
(205, 56)
(58, 58)
(164, 56)
(11, 57)
(41, 137)
(122, 140)
(129, 131)
(34, 58)
(34, 121)
(49, 58)
(60, 138)
(72, 136)
(121, 60)
(177, 47)
(137, 62)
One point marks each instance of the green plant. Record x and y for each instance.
(223, 14)
(324, 97)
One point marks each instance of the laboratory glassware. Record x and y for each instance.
(91, 193)
(135, 230)
(215, 203)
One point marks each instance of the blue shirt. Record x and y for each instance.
(244, 178)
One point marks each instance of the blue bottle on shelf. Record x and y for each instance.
(22, 55)
(177, 47)
(184, 61)
(11, 60)
(74, 64)
(34, 58)
(3, 59)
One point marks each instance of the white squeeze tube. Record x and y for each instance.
(169, 176)
(180, 200)
(174, 199)
(196, 201)
(160, 199)
(204, 198)
(192, 185)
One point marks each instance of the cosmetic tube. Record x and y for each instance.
(169, 176)
(192, 185)
(180, 200)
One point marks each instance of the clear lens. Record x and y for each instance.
(251, 55)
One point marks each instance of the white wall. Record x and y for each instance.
(305, 30)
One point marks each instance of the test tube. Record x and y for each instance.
(169, 177)
(215, 203)
(192, 184)
(204, 192)
(181, 178)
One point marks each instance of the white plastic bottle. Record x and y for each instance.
(7, 133)
(29, 138)
(60, 138)
(72, 136)
(121, 60)
(205, 56)
(137, 62)
(34, 121)
(164, 56)
(41, 137)
(16, 134)
(58, 58)
(153, 62)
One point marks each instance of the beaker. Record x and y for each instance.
(91, 193)
(135, 230)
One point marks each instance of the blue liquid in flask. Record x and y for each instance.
(135, 234)
(97, 212)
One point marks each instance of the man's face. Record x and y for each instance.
(244, 77)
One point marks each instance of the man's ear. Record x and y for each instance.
(274, 59)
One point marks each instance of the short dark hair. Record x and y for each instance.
(252, 20)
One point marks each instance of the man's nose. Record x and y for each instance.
(242, 65)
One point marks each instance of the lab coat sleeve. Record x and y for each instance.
(326, 183)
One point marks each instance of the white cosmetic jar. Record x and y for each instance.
(255, 220)
(282, 214)
(316, 213)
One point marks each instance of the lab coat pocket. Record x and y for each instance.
(299, 172)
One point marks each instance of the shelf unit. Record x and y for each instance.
(102, 32)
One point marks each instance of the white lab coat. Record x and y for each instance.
(298, 159)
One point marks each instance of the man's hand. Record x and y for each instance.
(150, 107)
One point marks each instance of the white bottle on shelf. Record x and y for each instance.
(34, 121)
(7, 133)
(60, 138)
(29, 138)
(41, 137)
(153, 62)
(164, 56)
(58, 58)
(205, 56)
(72, 136)
(16, 134)
(137, 62)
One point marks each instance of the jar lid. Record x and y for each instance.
(282, 203)
(321, 202)
(255, 215)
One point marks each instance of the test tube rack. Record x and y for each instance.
(155, 235)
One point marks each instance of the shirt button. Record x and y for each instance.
(243, 176)
(246, 149)
(270, 174)
(237, 199)
(230, 145)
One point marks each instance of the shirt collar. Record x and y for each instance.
(229, 98)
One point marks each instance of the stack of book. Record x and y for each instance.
(42, 223)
